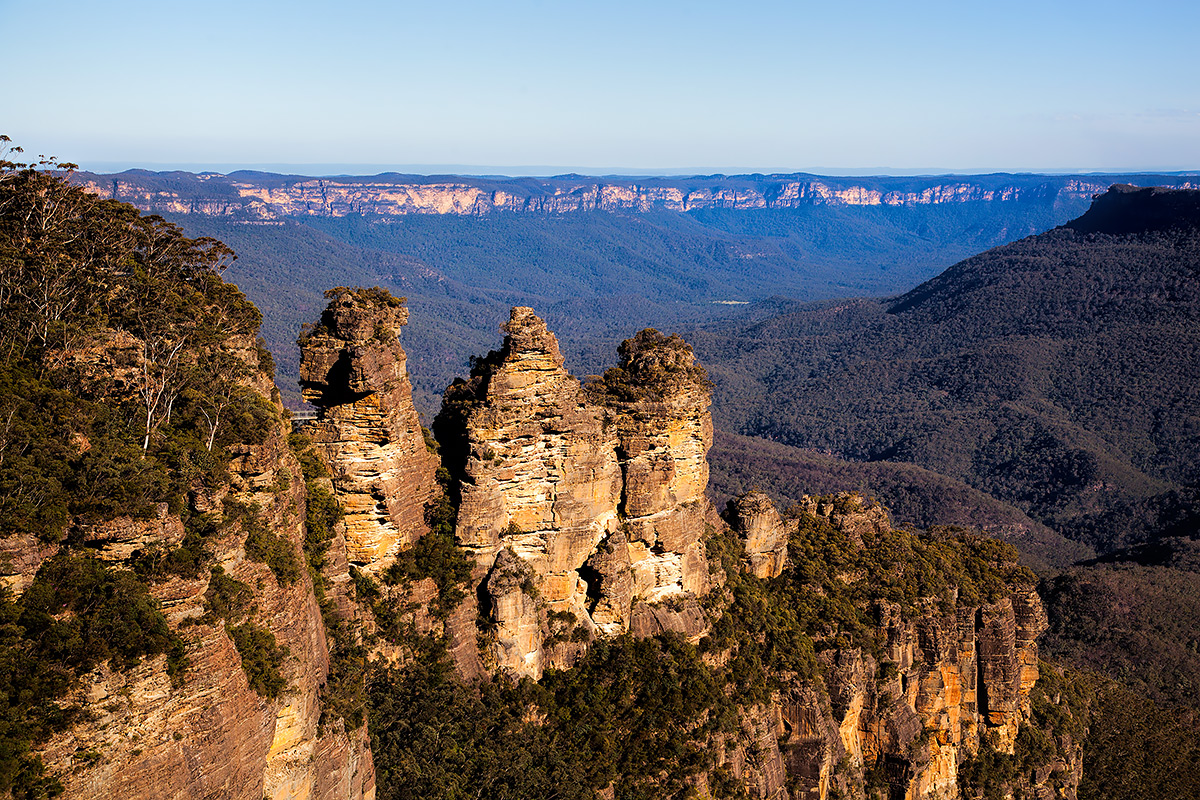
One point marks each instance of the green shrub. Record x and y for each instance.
(77, 613)
(636, 714)
(110, 614)
(263, 544)
(262, 658)
(227, 598)
(436, 555)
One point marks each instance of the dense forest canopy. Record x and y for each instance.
(1055, 373)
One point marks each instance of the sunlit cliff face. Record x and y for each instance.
(340, 197)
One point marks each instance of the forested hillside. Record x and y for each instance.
(1050, 387)
(1057, 374)
(136, 406)
(915, 495)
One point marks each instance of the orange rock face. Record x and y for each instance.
(960, 674)
(764, 536)
(353, 370)
(214, 736)
(599, 490)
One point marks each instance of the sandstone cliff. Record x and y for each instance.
(597, 491)
(268, 199)
(582, 509)
(353, 370)
(215, 733)
(946, 679)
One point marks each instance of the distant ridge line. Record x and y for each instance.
(264, 197)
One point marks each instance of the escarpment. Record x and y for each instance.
(842, 658)
(353, 371)
(264, 197)
(244, 718)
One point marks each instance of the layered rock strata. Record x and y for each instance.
(949, 679)
(213, 735)
(598, 490)
(353, 370)
(270, 200)
(763, 533)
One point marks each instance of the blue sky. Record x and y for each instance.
(918, 86)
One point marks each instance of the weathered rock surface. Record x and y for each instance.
(764, 536)
(660, 402)
(954, 677)
(353, 370)
(849, 513)
(118, 539)
(514, 611)
(214, 736)
(598, 489)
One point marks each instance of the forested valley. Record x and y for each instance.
(1043, 393)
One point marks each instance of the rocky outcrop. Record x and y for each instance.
(118, 539)
(849, 513)
(213, 734)
(658, 399)
(947, 680)
(764, 536)
(599, 490)
(513, 610)
(539, 480)
(353, 370)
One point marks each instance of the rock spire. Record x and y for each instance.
(353, 370)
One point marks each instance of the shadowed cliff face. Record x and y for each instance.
(1126, 209)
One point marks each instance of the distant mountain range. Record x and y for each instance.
(261, 196)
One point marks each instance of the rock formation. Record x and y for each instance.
(583, 509)
(659, 399)
(764, 536)
(214, 735)
(947, 681)
(353, 371)
(598, 489)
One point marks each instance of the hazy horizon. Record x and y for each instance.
(334, 170)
